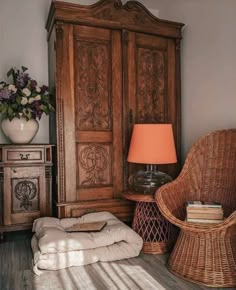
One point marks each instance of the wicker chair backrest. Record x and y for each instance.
(210, 169)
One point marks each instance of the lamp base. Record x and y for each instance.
(148, 181)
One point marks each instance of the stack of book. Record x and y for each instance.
(204, 212)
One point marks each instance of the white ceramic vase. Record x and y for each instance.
(19, 130)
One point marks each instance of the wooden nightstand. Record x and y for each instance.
(149, 223)
(25, 185)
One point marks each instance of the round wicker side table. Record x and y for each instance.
(149, 223)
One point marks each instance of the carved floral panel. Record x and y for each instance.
(92, 93)
(151, 72)
(25, 194)
(94, 164)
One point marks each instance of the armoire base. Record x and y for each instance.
(120, 208)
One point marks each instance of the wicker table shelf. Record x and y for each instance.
(149, 223)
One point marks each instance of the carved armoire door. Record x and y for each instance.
(150, 85)
(98, 107)
(92, 111)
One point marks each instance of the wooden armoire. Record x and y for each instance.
(110, 65)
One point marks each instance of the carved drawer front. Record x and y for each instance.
(21, 155)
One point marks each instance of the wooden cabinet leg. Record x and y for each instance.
(1, 236)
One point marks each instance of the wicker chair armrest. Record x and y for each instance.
(168, 213)
(224, 226)
(171, 198)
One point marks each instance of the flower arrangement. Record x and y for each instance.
(24, 97)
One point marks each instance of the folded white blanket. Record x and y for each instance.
(54, 248)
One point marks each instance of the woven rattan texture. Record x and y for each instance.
(205, 253)
(155, 230)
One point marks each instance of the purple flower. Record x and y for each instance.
(5, 94)
(26, 77)
(36, 106)
(13, 97)
(44, 89)
(20, 80)
(33, 84)
(36, 111)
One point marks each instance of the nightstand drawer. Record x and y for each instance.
(24, 155)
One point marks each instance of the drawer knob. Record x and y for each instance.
(24, 157)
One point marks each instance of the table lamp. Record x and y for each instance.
(151, 144)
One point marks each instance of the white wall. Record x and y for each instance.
(208, 56)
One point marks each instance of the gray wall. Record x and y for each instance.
(207, 57)
(208, 63)
(23, 41)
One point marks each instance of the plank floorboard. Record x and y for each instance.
(147, 272)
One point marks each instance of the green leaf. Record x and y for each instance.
(51, 108)
(18, 100)
(10, 72)
(44, 98)
(28, 115)
(14, 106)
(10, 111)
(3, 107)
(43, 107)
(24, 68)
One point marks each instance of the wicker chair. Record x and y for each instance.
(204, 253)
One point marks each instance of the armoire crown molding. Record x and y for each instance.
(113, 14)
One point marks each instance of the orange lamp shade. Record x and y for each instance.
(152, 144)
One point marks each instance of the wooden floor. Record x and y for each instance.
(144, 272)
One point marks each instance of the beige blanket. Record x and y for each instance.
(54, 248)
